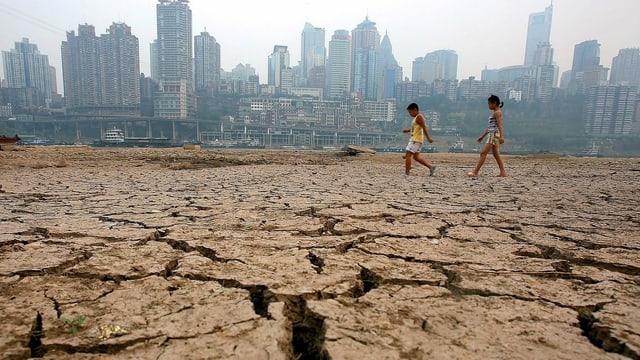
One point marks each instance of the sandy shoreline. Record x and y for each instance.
(170, 254)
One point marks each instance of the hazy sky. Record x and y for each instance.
(489, 32)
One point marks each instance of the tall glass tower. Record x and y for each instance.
(625, 68)
(278, 60)
(339, 65)
(389, 72)
(365, 43)
(538, 32)
(314, 51)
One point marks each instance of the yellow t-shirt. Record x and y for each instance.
(416, 131)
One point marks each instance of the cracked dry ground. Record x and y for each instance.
(194, 255)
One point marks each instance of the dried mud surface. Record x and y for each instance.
(175, 254)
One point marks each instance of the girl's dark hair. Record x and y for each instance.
(495, 100)
(413, 106)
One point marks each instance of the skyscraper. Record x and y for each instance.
(154, 61)
(586, 70)
(539, 31)
(14, 69)
(207, 62)
(278, 60)
(25, 67)
(286, 81)
(365, 43)
(585, 55)
(543, 73)
(339, 65)
(53, 81)
(175, 98)
(609, 109)
(437, 65)
(314, 52)
(625, 68)
(119, 53)
(101, 74)
(243, 72)
(390, 72)
(81, 69)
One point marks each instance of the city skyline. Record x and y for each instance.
(241, 43)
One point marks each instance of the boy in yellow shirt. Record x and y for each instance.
(418, 133)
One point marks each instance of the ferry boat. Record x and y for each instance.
(113, 136)
(458, 147)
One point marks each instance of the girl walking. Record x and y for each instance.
(495, 134)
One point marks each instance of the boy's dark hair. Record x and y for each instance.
(495, 100)
(413, 106)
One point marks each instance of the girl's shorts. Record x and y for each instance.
(493, 138)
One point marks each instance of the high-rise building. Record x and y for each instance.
(155, 61)
(175, 98)
(543, 73)
(437, 65)
(586, 56)
(14, 69)
(101, 74)
(565, 79)
(53, 81)
(389, 71)
(253, 84)
(609, 109)
(411, 91)
(148, 88)
(317, 77)
(446, 88)
(471, 89)
(207, 62)
(538, 32)
(586, 70)
(314, 52)
(81, 68)
(25, 67)
(243, 72)
(119, 53)
(489, 74)
(278, 60)
(625, 68)
(365, 43)
(286, 81)
(339, 65)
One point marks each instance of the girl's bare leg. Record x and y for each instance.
(483, 157)
(496, 154)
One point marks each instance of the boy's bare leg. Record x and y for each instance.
(407, 162)
(422, 160)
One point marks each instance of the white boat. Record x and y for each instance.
(113, 136)
(458, 147)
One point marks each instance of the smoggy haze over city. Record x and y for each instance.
(490, 32)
